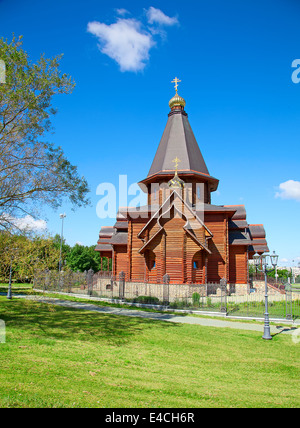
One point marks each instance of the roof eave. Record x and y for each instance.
(214, 182)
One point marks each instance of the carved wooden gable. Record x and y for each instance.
(174, 218)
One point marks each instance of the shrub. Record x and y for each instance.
(179, 304)
(147, 300)
(196, 299)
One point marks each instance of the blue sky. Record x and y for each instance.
(235, 62)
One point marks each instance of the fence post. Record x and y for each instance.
(112, 286)
(69, 281)
(90, 274)
(166, 281)
(122, 285)
(223, 284)
(46, 279)
(288, 301)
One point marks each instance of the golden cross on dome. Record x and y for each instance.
(176, 161)
(176, 81)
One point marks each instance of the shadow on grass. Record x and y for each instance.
(46, 321)
(16, 289)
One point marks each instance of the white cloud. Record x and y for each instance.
(123, 41)
(29, 223)
(289, 190)
(122, 12)
(157, 16)
(283, 260)
(128, 41)
(25, 223)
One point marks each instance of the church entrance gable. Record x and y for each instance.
(174, 237)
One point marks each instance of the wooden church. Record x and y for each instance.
(180, 232)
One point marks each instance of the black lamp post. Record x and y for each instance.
(62, 217)
(261, 263)
(9, 292)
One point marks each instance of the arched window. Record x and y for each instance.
(151, 260)
(198, 192)
(197, 267)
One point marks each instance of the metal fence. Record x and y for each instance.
(213, 297)
(277, 283)
(68, 282)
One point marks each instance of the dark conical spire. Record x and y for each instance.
(178, 140)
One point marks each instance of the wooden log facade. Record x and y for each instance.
(179, 232)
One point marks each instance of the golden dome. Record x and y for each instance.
(177, 101)
(176, 182)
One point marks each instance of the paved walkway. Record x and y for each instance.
(209, 322)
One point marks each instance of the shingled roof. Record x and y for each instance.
(119, 238)
(178, 140)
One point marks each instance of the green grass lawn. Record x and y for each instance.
(58, 357)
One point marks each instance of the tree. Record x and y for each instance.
(252, 270)
(281, 273)
(32, 171)
(65, 248)
(27, 255)
(83, 258)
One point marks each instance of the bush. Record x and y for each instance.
(147, 300)
(209, 302)
(196, 299)
(179, 304)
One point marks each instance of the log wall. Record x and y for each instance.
(174, 251)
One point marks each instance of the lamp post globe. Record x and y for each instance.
(256, 259)
(264, 261)
(274, 259)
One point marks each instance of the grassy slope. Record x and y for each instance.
(58, 357)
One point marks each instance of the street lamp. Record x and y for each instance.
(62, 216)
(261, 263)
(9, 293)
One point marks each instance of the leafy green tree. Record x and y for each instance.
(282, 273)
(26, 255)
(83, 258)
(65, 248)
(252, 270)
(31, 253)
(32, 171)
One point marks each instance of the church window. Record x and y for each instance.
(195, 265)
